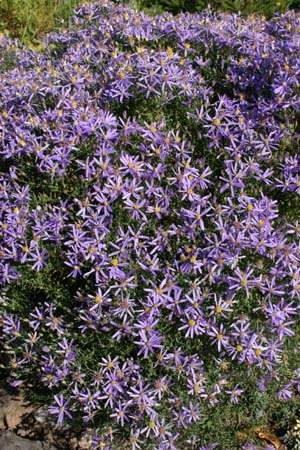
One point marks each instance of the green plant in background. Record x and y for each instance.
(174, 6)
(267, 8)
(28, 20)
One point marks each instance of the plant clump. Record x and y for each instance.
(149, 216)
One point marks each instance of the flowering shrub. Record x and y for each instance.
(149, 224)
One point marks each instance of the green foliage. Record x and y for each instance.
(177, 6)
(292, 438)
(29, 19)
(267, 8)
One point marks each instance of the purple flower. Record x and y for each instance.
(234, 393)
(242, 280)
(193, 325)
(152, 427)
(39, 258)
(62, 409)
(193, 412)
(120, 413)
(148, 343)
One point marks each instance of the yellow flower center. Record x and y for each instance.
(114, 262)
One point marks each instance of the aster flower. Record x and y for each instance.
(193, 412)
(148, 343)
(135, 207)
(143, 397)
(62, 409)
(170, 442)
(55, 323)
(285, 392)
(283, 329)
(109, 363)
(120, 413)
(124, 308)
(219, 336)
(242, 280)
(11, 326)
(67, 349)
(88, 399)
(152, 427)
(193, 326)
(8, 273)
(135, 440)
(196, 385)
(38, 317)
(161, 387)
(221, 307)
(98, 300)
(234, 393)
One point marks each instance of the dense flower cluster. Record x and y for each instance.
(150, 166)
